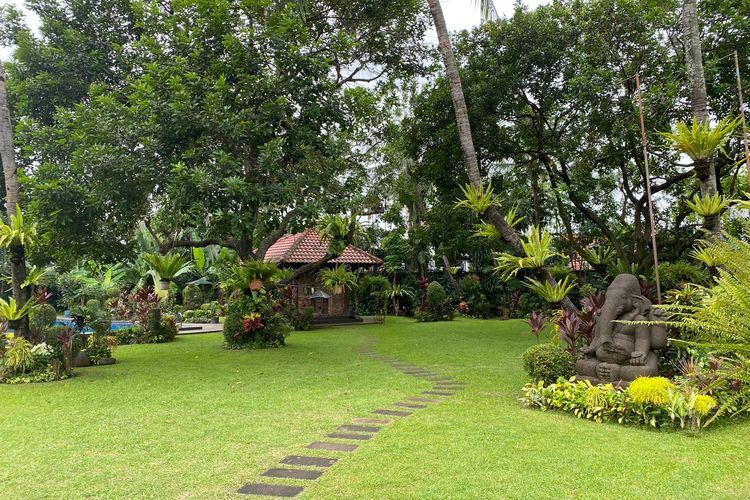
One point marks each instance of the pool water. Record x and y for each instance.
(116, 325)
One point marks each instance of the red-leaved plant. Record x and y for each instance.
(569, 327)
(537, 322)
(590, 308)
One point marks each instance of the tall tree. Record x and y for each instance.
(12, 203)
(704, 169)
(464, 130)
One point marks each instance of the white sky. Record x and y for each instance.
(459, 15)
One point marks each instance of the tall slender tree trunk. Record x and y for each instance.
(12, 199)
(464, 133)
(704, 170)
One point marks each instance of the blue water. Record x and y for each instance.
(116, 325)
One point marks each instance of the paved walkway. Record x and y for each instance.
(351, 435)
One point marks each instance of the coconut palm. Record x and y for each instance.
(12, 203)
(492, 214)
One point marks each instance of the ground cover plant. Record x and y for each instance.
(241, 411)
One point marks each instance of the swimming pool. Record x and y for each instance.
(116, 325)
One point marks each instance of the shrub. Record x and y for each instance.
(548, 362)
(131, 335)
(192, 296)
(651, 390)
(435, 294)
(98, 348)
(93, 304)
(608, 403)
(160, 328)
(44, 315)
(18, 359)
(300, 319)
(371, 294)
(233, 327)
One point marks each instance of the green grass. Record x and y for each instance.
(192, 420)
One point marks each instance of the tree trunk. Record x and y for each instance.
(12, 199)
(464, 133)
(691, 39)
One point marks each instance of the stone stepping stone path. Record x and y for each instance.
(271, 490)
(360, 429)
(349, 435)
(322, 445)
(293, 473)
(308, 461)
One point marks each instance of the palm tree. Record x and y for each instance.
(704, 169)
(464, 127)
(12, 203)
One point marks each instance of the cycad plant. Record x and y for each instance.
(338, 278)
(250, 275)
(167, 267)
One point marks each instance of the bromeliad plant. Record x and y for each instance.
(10, 311)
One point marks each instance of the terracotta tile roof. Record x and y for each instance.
(306, 247)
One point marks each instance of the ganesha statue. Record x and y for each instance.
(622, 348)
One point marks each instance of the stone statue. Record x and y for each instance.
(619, 353)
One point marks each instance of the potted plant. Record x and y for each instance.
(165, 268)
(250, 275)
(338, 278)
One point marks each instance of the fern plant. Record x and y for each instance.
(537, 248)
(708, 253)
(708, 205)
(553, 294)
(700, 141)
(478, 200)
(722, 321)
(338, 278)
(18, 233)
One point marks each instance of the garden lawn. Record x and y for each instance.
(192, 420)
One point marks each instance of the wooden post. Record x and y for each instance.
(742, 115)
(648, 186)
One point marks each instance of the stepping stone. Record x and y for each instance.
(270, 490)
(358, 428)
(293, 473)
(449, 388)
(349, 435)
(447, 379)
(393, 413)
(410, 405)
(320, 445)
(455, 384)
(423, 400)
(439, 393)
(377, 421)
(308, 461)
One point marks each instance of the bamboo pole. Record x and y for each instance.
(742, 115)
(644, 142)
